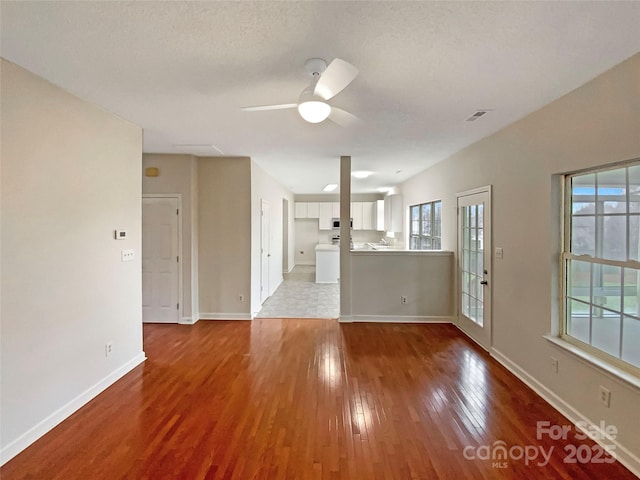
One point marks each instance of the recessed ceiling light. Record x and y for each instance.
(383, 189)
(361, 174)
(330, 187)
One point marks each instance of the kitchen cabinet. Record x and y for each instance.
(335, 209)
(327, 263)
(313, 210)
(325, 211)
(356, 215)
(300, 210)
(363, 215)
(367, 215)
(378, 214)
(306, 210)
(393, 214)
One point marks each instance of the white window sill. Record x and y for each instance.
(586, 357)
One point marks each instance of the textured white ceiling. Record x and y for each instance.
(182, 70)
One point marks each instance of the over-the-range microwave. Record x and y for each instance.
(335, 223)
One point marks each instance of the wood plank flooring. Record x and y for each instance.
(307, 399)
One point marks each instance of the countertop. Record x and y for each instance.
(327, 247)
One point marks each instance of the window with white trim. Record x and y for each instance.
(426, 226)
(601, 261)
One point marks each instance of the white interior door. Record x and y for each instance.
(474, 264)
(160, 259)
(265, 250)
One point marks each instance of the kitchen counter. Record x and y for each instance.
(327, 263)
(398, 251)
(327, 247)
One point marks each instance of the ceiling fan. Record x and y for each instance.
(327, 82)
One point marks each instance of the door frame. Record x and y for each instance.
(177, 196)
(486, 342)
(264, 289)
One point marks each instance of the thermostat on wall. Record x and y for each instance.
(121, 234)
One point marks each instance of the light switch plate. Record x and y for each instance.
(127, 255)
(498, 252)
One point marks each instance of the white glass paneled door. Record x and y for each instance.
(474, 264)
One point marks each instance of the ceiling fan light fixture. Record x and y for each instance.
(314, 111)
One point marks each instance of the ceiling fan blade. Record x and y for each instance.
(261, 108)
(343, 118)
(335, 78)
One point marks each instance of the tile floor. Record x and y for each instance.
(300, 297)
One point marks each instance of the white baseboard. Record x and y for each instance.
(284, 270)
(38, 430)
(189, 320)
(306, 262)
(225, 316)
(394, 319)
(623, 454)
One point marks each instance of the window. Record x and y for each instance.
(601, 264)
(426, 230)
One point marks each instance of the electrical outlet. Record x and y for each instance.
(241, 298)
(554, 364)
(108, 349)
(127, 255)
(605, 396)
(403, 299)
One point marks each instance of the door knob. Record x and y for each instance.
(484, 282)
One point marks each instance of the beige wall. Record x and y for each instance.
(597, 124)
(224, 236)
(178, 175)
(380, 279)
(70, 177)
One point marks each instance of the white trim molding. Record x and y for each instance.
(64, 412)
(225, 316)
(189, 320)
(394, 319)
(622, 454)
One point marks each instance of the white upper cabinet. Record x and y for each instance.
(301, 210)
(306, 210)
(335, 209)
(326, 216)
(356, 215)
(313, 210)
(393, 217)
(378, 214)
(364, 214)
(367, 216)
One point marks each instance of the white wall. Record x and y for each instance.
(597, 124)
(224, 237)
(265, 187)
(307, 236)
(178, 174)
(70, 177)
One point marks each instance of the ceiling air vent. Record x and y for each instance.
(476, 115)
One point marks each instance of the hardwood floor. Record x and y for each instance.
(298, 399)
